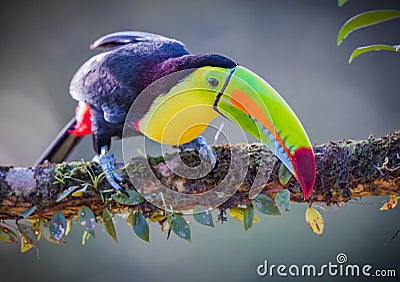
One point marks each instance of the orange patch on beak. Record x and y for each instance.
(242, 101)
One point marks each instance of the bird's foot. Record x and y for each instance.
(205, 151)
(106, 161)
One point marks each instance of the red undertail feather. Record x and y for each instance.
(83, 124)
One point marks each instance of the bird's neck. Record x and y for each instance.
(193, 62)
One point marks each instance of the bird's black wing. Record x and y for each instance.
(110, 81)
(127, 37)
(78, 86)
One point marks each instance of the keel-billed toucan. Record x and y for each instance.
(178, 111)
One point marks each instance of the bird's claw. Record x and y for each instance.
(106, 161)
(111, 180)
(117, 176)
(206, 152)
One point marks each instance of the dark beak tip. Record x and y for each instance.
(305, 167)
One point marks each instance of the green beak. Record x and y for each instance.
(250, 102)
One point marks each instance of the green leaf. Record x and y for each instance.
(134, 198)
(29, 237)
(377, 47)
(58, 225)
(140, 226)
(265, 205)
(109, 224)
(203, 215)
(248, 217)
(87, 219)
(79, 192)
(85, 237)
(364, 20)
(180, 227)
(391, 204)
(7, 235)
(282, 199)
(66, 192)
(129, 220)
(341, 2)
(238, 213)
(25, 245)
(36, 229)
(45, 231)
(68, 229)
(26, 213)
(284, 175)
(315, 220)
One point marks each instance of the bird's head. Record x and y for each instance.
(223, 87)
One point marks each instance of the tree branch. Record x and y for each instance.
(345, 170)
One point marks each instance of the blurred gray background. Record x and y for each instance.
(292, 44)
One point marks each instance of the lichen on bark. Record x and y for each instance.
(345, 169)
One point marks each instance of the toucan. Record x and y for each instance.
(186, 93)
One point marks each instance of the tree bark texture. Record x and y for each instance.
(345, 169)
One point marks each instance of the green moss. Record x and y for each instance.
(137, 166)
(153, 161)
(5, 190)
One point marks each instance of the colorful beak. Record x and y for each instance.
(256, 107)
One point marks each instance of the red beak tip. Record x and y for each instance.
(305, 166)
(306, 194)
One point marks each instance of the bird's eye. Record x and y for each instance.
(213, 82)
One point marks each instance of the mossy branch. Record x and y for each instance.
(345, 169)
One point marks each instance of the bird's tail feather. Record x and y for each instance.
(62, 145)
